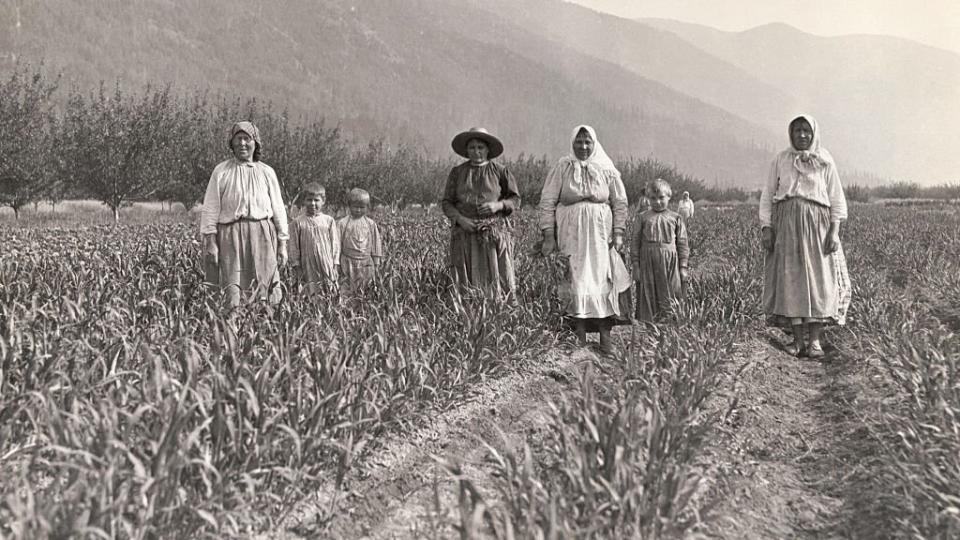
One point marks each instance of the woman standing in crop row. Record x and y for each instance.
(806, 285)
(244, 222)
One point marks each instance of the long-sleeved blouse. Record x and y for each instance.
(243, 190)
(819, 183)
(469, 186)
(661, 229)
(315, 242)
(564, 186)
(359, 238)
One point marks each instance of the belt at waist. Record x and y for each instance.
(561, 203)
(247, 219)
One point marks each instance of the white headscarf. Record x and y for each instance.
(595, 164)
(814, 158)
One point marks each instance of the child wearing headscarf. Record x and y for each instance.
(315, 242)
(362, 249)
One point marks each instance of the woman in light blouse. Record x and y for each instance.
(805, 284)
(583, 213)
(244, 222)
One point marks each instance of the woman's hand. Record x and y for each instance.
(282, 253)
(467, 224)
(549, 243)
(211, 253)
(617, 242)
(832, 243)
(488, 209)
(767, 238)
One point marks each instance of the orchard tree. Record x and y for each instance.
(27, 165)
(304, 153)
(120, 144)
(200, 143)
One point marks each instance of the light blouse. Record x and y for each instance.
(564, 186)
(359, 238)
(821, 185)
(243, 190)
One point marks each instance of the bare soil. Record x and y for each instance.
(793, 457)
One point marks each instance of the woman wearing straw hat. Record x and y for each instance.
(244, 221)
(479, 196)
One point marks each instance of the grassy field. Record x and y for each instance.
(129, 407)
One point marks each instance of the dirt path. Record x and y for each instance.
(794, 458)
(395, 494)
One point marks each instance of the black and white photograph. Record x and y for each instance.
(479, 269)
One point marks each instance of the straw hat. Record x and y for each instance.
(459, 143)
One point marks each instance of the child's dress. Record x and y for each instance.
(315, 248)
(660, 249)
(360, 241)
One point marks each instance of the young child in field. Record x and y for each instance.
(360, 240)
(315, 242)
(660, 253)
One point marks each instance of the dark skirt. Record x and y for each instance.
(483, 259)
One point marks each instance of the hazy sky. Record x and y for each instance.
(933, 22)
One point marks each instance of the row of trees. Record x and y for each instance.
(119, 147)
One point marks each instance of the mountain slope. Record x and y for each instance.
(415, 71)
(887, 104)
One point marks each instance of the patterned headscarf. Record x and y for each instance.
(246, 127)
(596, 163)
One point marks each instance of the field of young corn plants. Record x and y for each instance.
(130, 407)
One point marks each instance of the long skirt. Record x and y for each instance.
(802, 283)
(658, 285)
(483, 260)
(596, 278)
(248, 261)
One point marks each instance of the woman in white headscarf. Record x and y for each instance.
(806, 284)
(583, 213)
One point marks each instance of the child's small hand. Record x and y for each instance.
(549, 243)
(336, 272)
(684, 274)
